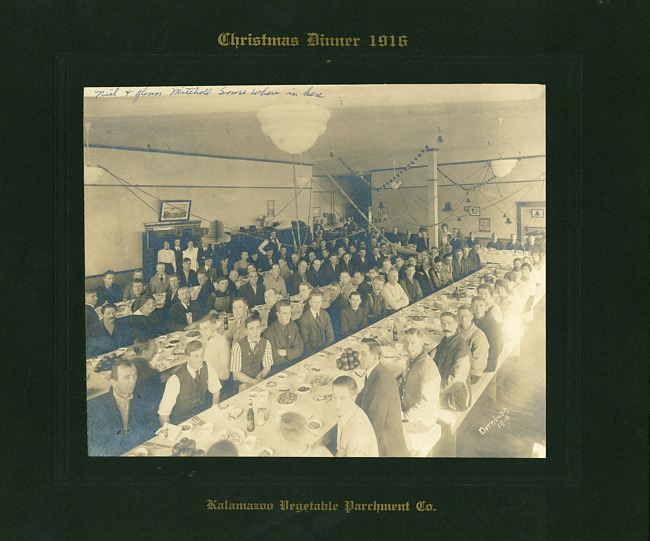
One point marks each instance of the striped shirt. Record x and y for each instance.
(235, 356)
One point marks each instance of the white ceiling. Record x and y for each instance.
(370, 127)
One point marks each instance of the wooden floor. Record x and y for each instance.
(521, 390)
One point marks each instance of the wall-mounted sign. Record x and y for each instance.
(316, 211)
(537, 213)
(484, 225)
(174, 211)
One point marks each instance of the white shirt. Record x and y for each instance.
(173, 387)
(217, 355)
(193, 255)
(355, 435)
(394, 296)
(167, 256)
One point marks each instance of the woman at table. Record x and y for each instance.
(294, 434)
(109, 333)
(147, 320)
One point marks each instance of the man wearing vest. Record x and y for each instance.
(375, 305)
(252, 357)
(193, 388)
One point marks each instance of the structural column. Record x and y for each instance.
(432, 196)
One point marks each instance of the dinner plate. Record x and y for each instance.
(281, 376)
(206, 429)
(174, 341)
(186, 427)
(233, 435)
(314, 424)
(234, 413)
(140, 451)
(304, 388)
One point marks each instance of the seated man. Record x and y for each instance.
(236, 326)
(275, 281)
(386, 265)
(172, 293)
(447, 268)
(492, 308)
(527, 289)
(109, 333)
(355, 436)
(359, 262)
(187, 275)
(149, 382)
(360, 284)
(224, 268)
(209, 270)
(91, 314)
(467, 263)
(271, 297)
(400, 266)
(437, 274)
(394, 295)
(380, 400)
(206, 290)
(476, 340)
(220, 300)
(337, 303)
(328, 272)
(298, 277)
(253, 291)
(147, 320)
(191, 389)
(514, 244)
(184, 314)
(128, 290)
(420, 386)
(344, 264)
(109, 291)
(137, 292)
(472, 241)
(452, 358)
(285, 339)
(217, 354)
(296, 438)
(375, 305)
(251, 358)
(457, 266)
(120, 419)
(315, 325)
(285, 271)
(159, 282)
(475, 258)
(347, 286)
(313, 273)
(353, 318)
(411, 285)
(495, 243)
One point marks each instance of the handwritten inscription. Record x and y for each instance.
(136, 94)
(498, 421)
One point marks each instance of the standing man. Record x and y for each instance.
(315, 325)
(355, 436)
(119, 420)
(452, 358)
(394, 295)
(159, 282)
(178, 254)
(380, 401)
(285, 339)
(476, 340)
(252, 357)
(191, 389)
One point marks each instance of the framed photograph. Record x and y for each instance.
(174, 211)
(537, 213)
(484, 225)
(316, 212)
(474, 211)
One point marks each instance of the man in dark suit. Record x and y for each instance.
(184, 314)
(221, 299)
(298, 277)
(359, 261)
(204, 293)
(315, 325)
(457, 266)
(495, 243)
(313, 274)
(353, 318)
(514, 244)
(411, 285)
(224, 268)
(109, 291)
(338, 303)
(91, 315)
(178, 254)
(285, 339)
(120, 419)
(109, 333)
(209, 270)
(363, 287)
(205, 252)
(380, 400)
(172, 293)
(187, 275)
(328, 272)
(254, 290)
(374, 303)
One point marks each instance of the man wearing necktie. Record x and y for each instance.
(251, 357)
(159, 283)
(315, 325)
(184, 314)
(178, 254)
(285, 338)
(193, 388)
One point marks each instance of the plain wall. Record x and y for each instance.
(234, 191)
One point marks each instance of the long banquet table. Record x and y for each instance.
(318, 371)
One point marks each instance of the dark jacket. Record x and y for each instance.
(412, 288)
(379, 399)
(285, 337)
(191, 282)
(352, 321)
(315, 336)
(253, 298)
(147, 327)
(112, 294)
(91, 317)
(106, 435)
(494, 335)
(178, 319)
(453, 358)
(204, 294)
(100, 341)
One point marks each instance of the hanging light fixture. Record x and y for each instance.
(91, 173)
(293, 128)
(501, 167)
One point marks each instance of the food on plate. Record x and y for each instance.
(186, 427)
(265, 452)
(304, 388)
(314, 424)
(233, 414)
(193, 334)
(185, 447)
(322, 397)
(234, 435)
(283, 388)
(348, 360)
(286, 398)
(320, 380)
(418, 317)
(271, 384)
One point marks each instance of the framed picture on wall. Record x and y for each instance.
(474, 211)
(174, 211)
(484, 225)
(537, 213)
(316, 212)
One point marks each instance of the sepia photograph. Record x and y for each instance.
(322, 271)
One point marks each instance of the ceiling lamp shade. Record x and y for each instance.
(502, 168)
(216, 234)
(293, 128)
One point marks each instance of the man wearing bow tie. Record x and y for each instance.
(193, 388)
